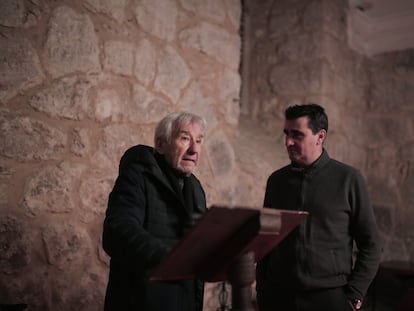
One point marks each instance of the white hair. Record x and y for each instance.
(170, 124)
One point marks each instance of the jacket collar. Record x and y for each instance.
(315, 166)
(152, 164)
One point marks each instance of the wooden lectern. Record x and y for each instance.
(224, 246)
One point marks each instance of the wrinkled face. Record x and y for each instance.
(184, 150)
(302, 145)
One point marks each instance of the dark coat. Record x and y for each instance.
(145, 219)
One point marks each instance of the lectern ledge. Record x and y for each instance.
(224, 246)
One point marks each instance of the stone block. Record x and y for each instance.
(158, 17)
(221, 154)
(214, 41)
(20, 67)
(173, 74)
(14, 244)
(145, 62)
(66, 244)
(119, 57)
(80, 142)
(51, 189)
(112, 8)
(11, 13)
(80, 53)
(67, 98)
(213, 9)
(25, 139)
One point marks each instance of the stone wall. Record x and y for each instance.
(296, 52)
(80, 82)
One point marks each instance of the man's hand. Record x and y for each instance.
(356, 304)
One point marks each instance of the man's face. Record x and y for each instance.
(184, 150)
(302, 145)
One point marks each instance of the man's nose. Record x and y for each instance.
(289, 141)
(193, 147)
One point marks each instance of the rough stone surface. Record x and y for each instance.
(145, 107)
(119, 57)
(301, 48)
(93, 193)
(145, 62)
(220, 154)
(214, 9)
(193, 100)
(51, 189)
(173, 74)
(406, 189)
(68, 98)
(87, 295)
(234, 12)
(117, 138)
(66, 244)
(14, 244)
(11, 13)
(109, 105)
(80, 52)
(26, 290)
(214, 41)
(283, 19)
(19, 67)
(229, 93)
(24, 138)
(113, 8)
(19, 13)
(158, 17)
(80, 143)
(5, 176)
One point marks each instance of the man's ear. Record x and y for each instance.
(160, 146)
(321, 136)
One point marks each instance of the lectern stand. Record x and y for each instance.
(224, 246)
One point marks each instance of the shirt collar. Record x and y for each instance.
(315, 166)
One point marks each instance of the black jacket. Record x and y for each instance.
(145, 218)
(319, 252)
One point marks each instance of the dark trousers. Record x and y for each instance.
(329, 299)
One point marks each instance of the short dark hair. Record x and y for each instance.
(318, 119)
